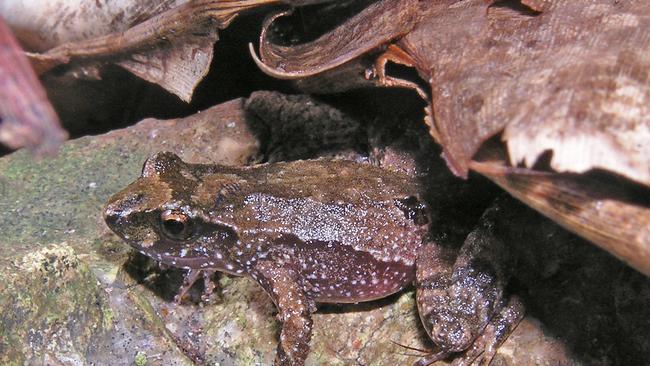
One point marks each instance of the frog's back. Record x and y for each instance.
(333, 202)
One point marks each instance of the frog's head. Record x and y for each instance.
(159, 216)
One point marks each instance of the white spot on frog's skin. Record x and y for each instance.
(183, 253)
(211, 263)
(229, 267)
(219, 255)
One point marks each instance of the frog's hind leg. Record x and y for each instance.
(461, 302)
(294, 310)
(433, 278)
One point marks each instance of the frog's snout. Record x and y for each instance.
(118, 208)
(110, 217)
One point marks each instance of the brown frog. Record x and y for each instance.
(311, 231)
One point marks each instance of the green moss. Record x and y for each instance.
(241, 320)
(54, 293)
(107, 318)
(140, 359)
(224, 281)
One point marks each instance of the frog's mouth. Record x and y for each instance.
(187, 259)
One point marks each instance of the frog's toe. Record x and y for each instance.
(495, 333)
(193, 276)
(431, 358)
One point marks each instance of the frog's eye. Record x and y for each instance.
(175, 225)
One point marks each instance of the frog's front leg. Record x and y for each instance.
(284, 286)
(190, 278)
(461, 299)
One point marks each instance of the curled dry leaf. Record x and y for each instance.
(379, 23)
(27, 117)
(172, 48)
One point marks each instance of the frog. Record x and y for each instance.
(320, 231)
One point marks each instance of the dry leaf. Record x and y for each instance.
(178, 66)
(612, 214)
(379, 23)
(27, 118)
(40, 25)
(173, 48)
(572, 79)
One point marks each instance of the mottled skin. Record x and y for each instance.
(312, 231)
(460, 296)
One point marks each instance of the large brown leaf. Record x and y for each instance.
(572, 79)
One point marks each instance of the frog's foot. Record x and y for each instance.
(463, 306)
(431, 358)
(190, 278)
(486, 345)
